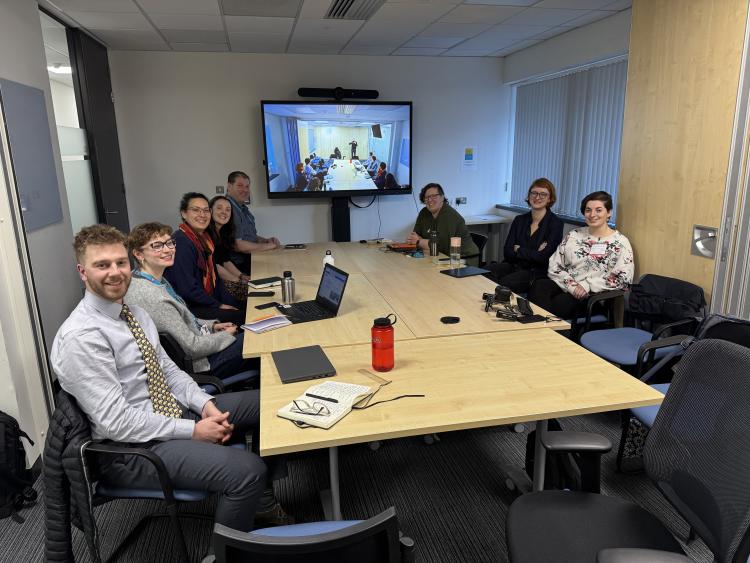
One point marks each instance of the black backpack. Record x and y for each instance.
(15, 480)
(561, 471)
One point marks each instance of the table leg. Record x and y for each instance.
(540, 456)
(331, 498)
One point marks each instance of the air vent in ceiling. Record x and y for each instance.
(353, 9)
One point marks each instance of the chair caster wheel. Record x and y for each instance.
(509, 484)
(519, 428)
(374, 446)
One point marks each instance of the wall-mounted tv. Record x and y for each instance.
(326, 149)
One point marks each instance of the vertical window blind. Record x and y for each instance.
(568, 129)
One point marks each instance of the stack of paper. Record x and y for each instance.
(264, 324)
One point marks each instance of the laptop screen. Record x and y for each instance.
(331, 288)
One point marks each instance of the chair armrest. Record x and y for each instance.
(407, 549)
(205, 379)
(598, 298)
(649, 348)
(636, 555)
(576, 442)
(685, 326)
(161, 470)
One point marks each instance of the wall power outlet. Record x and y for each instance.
(461, 201)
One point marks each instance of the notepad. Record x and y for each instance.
(269, 322)
(264, 282)
(324, 404)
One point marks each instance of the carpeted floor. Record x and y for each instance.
(450, 497)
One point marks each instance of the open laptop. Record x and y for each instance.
(327, 301)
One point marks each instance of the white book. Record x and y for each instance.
(323, 405)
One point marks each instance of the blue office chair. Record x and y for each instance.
(697, 453)
(376, 540)
(600, 312)
(657, 307)
(638, 421)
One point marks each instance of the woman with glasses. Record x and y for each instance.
(532, 238)
(193, 274)
(210, 344)
(589, 260)
(439, 216)
(222, 232)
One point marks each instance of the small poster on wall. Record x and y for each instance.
(469, 158)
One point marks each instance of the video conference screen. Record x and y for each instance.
(330, 149)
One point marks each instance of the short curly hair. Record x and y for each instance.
(144, 232)
(95, 235)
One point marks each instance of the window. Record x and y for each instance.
(568, 129)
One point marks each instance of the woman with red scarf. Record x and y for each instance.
(193, 275)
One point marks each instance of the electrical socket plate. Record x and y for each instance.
(460, 201)
(220, 190)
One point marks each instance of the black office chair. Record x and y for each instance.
(67, 419)
(376, 540)
(697, 453)
(481, 241)
(638, 421)
(207, 382)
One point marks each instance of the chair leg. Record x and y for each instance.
(174, 518)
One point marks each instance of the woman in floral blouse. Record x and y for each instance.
(589, 260)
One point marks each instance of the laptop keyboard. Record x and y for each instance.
(309, 310)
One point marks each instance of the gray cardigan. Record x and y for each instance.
(174, 318)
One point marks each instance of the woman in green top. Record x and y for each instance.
(439, 216)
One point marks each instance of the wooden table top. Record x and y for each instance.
(379, 283)
(470, 381)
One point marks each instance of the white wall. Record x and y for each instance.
(186, 119)
(597, 41)
(57, 286)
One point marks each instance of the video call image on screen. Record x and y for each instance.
(329, 147)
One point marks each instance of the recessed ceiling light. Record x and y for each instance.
(58, 68)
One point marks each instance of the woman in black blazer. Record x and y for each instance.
(532, 239)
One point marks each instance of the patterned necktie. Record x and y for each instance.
(158, 388)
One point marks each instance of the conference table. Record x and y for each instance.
(480, 372)
(348, 175)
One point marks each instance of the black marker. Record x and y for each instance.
(321, 398)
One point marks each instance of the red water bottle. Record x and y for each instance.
(382, 343)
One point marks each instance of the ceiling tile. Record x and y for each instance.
(56, 38)
(573, 4)
(488, 43)
(53, 57)
(433, 42)
(258, 42)
(418, 51)
(132, 40)
(517, 32)
(110, 20)
(589, 17)
(116, 6)
(194, 7)
(411, 12)
(460, 52)
(276, 8)
(194, 36)
(250, 24)
(503, 2)
(619, 5)
(540, 16)
(552, 32)
(200, 47)
(316, 9)
(187, 21)
(480, 14)
(455, 29)
(516, 47)
(307, 47)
